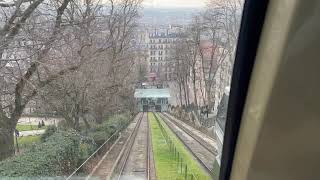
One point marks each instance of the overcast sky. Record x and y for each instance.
(174, 3)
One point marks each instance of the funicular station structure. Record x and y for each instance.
(152, 99)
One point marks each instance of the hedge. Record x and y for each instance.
(86, 148)
(101, 132)
(51, 129)
(57, 156)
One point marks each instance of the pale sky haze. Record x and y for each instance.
(174, 3)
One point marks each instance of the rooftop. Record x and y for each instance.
(152, 93)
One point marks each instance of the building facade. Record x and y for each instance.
(160, 43)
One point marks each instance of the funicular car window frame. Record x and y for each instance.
(251, 27)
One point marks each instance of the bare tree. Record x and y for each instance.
(193, 44)
(45, 45)
(212, 52)
(181, 57)
(21, 71)
(96, 87)
(221, 21)
(187, 53)
(209, 50)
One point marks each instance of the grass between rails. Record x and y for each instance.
(166, 165)
(193, 165)
(164, 162)
(23, 127)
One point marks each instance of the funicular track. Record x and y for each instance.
(199, 150)
(203, 143)
(101, 164)
(134, 159)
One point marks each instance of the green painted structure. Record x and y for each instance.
(152, 99)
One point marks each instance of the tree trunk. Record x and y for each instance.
(203, 90)
(76, 123)
(77, 118)
(188, 93)
(209, 95)
(185, 94)
(195, 89)
(6, 143)
(180, 94)
(6, 138)
(212, 97)
(98, 118)
(86, 123)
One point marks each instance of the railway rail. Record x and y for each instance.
(134, 161)
(200, 150)
(104, 169)
(200, 140)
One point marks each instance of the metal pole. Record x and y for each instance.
(181, 165)
(186, 173)
(178, 157)
(178, 161)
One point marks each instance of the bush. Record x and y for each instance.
(64, 125)
(56, 157)
(100, 133)
(119, 121)
(51, 129)
(87, 147)
(99, 136)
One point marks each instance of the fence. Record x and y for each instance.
(88, 165)
(181, 165)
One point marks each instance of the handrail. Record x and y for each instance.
(74, 172)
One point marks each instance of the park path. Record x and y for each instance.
(31, 133)
(36, 120)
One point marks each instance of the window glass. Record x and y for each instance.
(99, 88)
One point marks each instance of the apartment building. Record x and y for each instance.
(160, 42)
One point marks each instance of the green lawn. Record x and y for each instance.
(166, 165)
(27, 141)
(23, 127)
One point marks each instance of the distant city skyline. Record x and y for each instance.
(174, 3)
